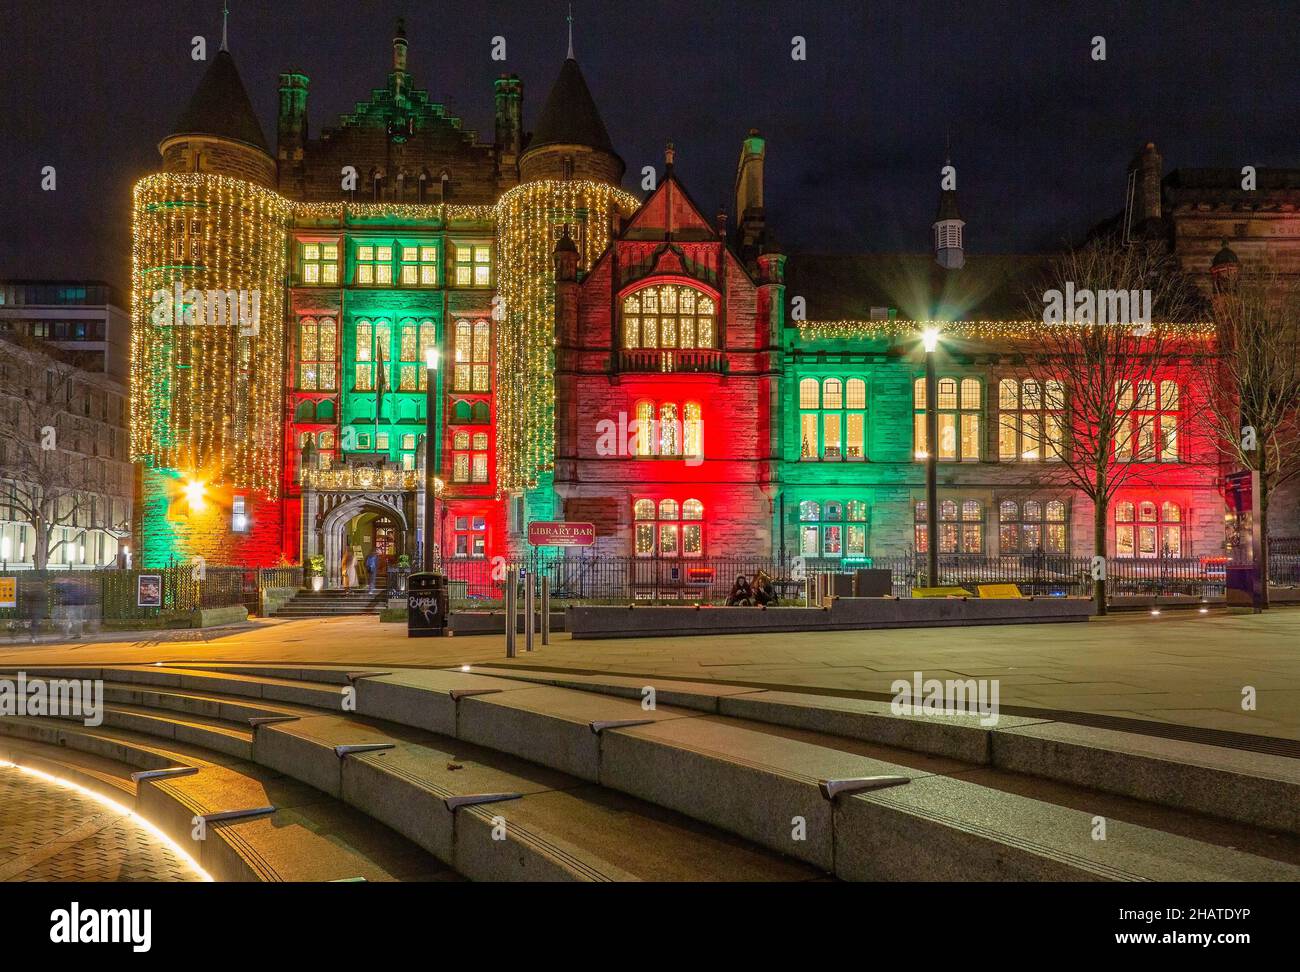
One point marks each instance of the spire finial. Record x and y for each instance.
(570, 19)
(225, 18)
(670, 154)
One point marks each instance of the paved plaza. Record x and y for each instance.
(1182, 667)
(50, 832)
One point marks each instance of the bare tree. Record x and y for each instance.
(1104, 377)
(1252, 398)
(50, 485)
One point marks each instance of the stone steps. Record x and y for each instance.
(1251, 788)
(727, 758)
(314, 604)
(557, 828)
(308, 837)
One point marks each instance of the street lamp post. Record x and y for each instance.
(931, 341)
(430, 455)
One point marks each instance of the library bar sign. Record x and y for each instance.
(546, 533)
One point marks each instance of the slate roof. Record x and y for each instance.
(220, 107)
(989, 287)
(570, 116)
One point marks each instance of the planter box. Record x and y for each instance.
(839, 614)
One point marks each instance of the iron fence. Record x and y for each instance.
(595, 579)
(119, 595)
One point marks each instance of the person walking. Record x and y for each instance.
(372, 569)
(349, 569)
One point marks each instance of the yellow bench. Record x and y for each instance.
(940, 592)
(1000, 591)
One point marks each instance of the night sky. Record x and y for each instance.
(1040, 134)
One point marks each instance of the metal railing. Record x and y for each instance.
(708, 580)
(117, 595)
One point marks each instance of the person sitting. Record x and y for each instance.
(764, 589)
(742, 595)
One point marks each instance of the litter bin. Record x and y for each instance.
(427, 606)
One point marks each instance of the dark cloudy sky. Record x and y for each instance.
(1041, 134)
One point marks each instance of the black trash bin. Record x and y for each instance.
(427, 606)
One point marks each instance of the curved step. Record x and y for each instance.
(552, 827)
(762, 781)
(308, 837)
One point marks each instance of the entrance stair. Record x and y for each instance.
(333, 603)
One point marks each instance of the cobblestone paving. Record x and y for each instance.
(51, 833)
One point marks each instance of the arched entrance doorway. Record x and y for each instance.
(363, 526)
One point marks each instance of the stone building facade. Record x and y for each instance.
(629, 362)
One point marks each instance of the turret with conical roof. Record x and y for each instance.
(218, 133)
(570, 141)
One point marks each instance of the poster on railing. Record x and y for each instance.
(148, 590)
(8, 592)
(556, 533)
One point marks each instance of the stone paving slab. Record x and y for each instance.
(1176, 654)
(52, 833)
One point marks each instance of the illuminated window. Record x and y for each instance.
(1149, 414)
(374, 265)
(668, 528)
(1031, 423)
(667, 430)
(833, 529)
(469, 457)
(317, 357)
(410, 364)
(470, 536)
(320, 263)
(960, 404)
(238, 515)
(1148, 529)
(832, 419)
(472, 369)
(473, 265)
(669, 316)
(693, 430)
(373, 345)
(1032, 527)
(419, 266)
(961, 527)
